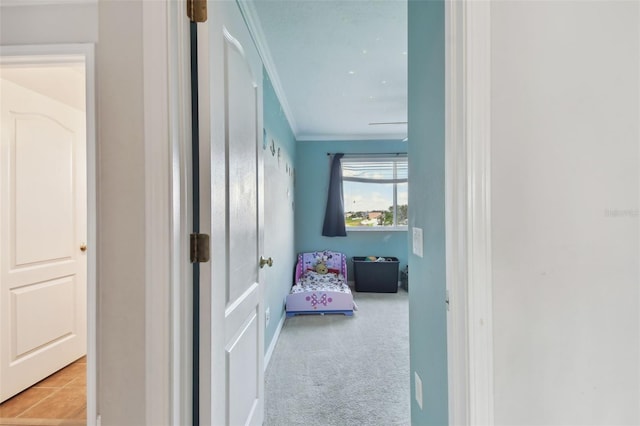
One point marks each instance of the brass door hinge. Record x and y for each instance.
(197, 10)
(199, 248)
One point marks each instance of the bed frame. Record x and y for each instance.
(320, 302)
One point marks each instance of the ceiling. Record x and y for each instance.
(336, 65)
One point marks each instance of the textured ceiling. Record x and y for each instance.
(339, 65)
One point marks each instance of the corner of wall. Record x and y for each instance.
(427, 312)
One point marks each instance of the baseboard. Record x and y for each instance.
(274, 341)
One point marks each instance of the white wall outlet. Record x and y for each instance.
(267, 316)
(417, 241)
(418, 392)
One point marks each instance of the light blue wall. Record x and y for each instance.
(312, 181)
(427, 314)
(278, 207)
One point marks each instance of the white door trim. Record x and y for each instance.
(26, 54)
(158, 261)
(455, 221)
(468, 198)
(167, 124)
(181, 201)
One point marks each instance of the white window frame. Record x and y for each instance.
(355, 158)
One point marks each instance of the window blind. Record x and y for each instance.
(375, 170)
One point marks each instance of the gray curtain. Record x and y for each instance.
(334, 215)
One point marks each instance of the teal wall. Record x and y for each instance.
(312, 181)
(278, 207)
(427, 313)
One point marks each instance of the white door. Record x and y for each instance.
(233, 214)
(42, 228)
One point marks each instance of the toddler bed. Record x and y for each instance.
(324, 292)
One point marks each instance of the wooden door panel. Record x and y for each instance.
(236, 314)
(43, 175)
(236, 170)
(42, 225)
(242, 361)
(241, 146)
(54, 320)
(242, 324)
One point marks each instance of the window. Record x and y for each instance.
(376, 192)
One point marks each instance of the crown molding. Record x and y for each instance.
(252, 20)
(400, 137)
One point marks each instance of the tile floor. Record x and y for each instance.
(60, 399)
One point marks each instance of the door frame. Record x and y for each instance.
(37, 54)
(468, 198)
(168, 200)
(182, 270)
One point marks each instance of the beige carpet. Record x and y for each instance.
(348, 371)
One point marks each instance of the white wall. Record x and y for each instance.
(121, 220)
(121, 252)
(46, 24)
(565, 189)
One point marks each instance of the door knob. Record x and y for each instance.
(264, 261)
(83, 247)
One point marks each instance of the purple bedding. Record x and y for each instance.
(313, 281)
(315, 293)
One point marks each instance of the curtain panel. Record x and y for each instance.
(334, 225)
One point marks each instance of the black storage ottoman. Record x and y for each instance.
(378, 277)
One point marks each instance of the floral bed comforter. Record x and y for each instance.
(312, 281)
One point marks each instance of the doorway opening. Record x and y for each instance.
(47, 234)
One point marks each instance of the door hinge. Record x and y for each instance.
(199, 248)
(197, 10)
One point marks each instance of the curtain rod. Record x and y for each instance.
(366, 154)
